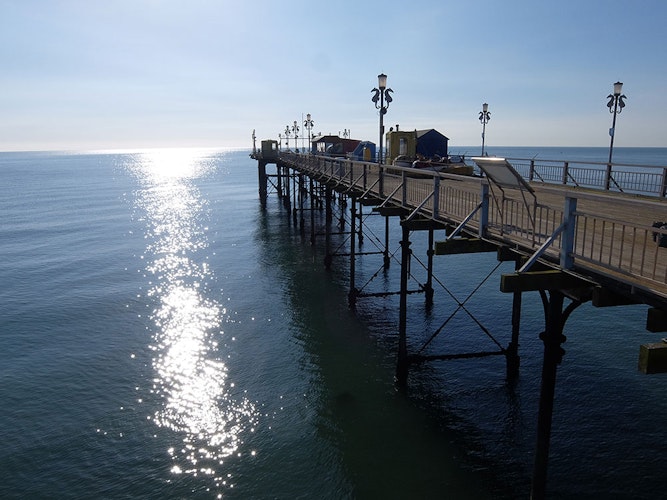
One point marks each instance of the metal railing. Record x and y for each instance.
(619, 177)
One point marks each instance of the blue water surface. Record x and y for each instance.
(163, 336)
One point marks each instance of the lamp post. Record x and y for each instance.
(383, 95)
(615, 105)
(295, 129)
(287, 136)
(484, 117)
(309, 126)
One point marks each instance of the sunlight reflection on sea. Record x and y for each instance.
(199, 402)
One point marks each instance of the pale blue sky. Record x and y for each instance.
(92, 74)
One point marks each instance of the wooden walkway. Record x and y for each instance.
(604, 237)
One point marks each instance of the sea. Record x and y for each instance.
(163, 335)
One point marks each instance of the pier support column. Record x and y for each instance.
(328, 216)
(295, 194)
(387, 260)
(553, 354)
(302, 189)
(287, 199)
(312, 212)
(428, 287)
(352, 295)
(402, 364)
(360, 232)
(263, 181)
(279, 180)
(512, 352)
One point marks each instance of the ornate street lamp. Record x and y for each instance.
(295, 129)
(484, 117)
(615, 105)
(287, 136)
(309, 126)
(383, 95)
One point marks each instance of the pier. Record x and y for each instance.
(575, 233)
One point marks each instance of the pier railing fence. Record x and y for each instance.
(619, 177)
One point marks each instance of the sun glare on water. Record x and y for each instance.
(176, 164)
(189, 375)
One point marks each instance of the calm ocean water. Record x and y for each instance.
(161, 336)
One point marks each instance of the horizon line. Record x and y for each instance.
(130, 150)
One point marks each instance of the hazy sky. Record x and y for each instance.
(91, 74)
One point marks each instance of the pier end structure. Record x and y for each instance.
(267, 153)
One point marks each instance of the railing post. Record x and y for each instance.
(567, 239)
(436, 197)
(380, 181)
(664, 183)
(531, 172)
(404, 190)
(484, 210)
(566, 170)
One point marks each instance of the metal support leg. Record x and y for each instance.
(553, 354)
(263, 181)
(327, 227)
(294, 197)
(387, 260)
(287, 198)
(361, 226)
(512, 352)
(279, 180)
(312, 212)
(342, 204)
(302, 189)
(428, 287)
(402, 365)
(352, 295)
